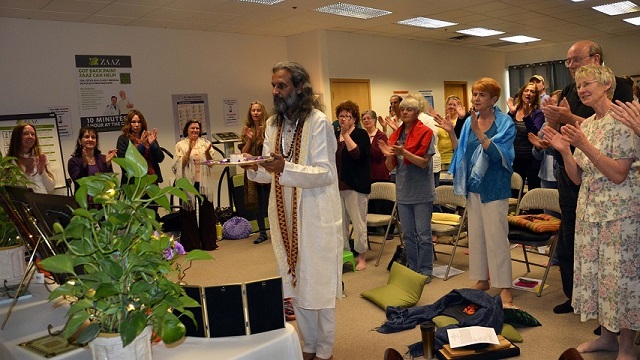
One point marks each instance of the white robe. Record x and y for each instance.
(320, 241)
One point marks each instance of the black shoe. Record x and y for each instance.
(261, 238)
(563, 308)
(598, 331)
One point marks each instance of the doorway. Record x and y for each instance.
(459, 89)
(356, 90)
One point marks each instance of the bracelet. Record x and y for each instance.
(485, 138)
(597, 159)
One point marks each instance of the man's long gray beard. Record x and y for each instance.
(285, 106)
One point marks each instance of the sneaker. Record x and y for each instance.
(428, 280)
(563, 308)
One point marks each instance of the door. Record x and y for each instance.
(356, 90)
(459, 89)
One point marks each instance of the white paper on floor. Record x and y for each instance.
(439, 271)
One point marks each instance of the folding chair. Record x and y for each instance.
(517, 184)
(445, 196)
(536, 199)
(384, 191)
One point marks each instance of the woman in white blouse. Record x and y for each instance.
(25, 147)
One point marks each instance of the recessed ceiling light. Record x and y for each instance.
(263, 2)
(634, 21)
(480, 32)
(520, 39)
(350, 10)
(426, 23)
(623, 7)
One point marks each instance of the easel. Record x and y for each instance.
(27, 226)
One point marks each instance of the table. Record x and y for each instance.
(30, 317)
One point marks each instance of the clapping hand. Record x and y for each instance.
(537, 142)
(111, 154)
(41, 163)
(575, 136)
(556, 114)
(511, 105)
(392, 123)
(444, 123)
(628, 114)
(556, 140)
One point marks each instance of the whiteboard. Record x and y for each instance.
(46, 126)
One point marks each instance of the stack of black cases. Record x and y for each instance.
(236, 309)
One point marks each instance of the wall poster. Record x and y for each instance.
(191, 107)
(105, 90)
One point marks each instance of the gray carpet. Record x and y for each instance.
(240, 260)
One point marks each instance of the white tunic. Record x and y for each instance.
(320, 242)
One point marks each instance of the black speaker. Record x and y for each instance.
(225, 310)
(265, 305)
(199, 329)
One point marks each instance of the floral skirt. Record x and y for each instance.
(606, 273)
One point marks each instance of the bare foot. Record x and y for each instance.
(602, 343)
(481, 285)
(362, 263)
(507, 299)
(466, 252)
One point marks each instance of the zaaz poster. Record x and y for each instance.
(105, 89)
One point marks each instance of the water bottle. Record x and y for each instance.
(428, 330)
(219, 231)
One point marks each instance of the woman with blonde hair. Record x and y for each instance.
(606, 165)
(256, 195)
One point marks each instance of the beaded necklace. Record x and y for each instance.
(283, 140)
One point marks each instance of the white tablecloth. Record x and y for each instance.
(30, 318)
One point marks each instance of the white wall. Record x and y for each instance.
(37, 68)
(397, 64)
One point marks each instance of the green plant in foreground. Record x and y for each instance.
(115, 256)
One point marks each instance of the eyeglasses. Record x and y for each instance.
(575, 60)
(348, 117)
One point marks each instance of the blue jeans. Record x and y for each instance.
(416, 234)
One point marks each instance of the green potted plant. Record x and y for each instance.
(117, 258)
(12, 263)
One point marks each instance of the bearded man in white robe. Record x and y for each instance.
(304, 206)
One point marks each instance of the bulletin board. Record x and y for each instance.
(46, 125)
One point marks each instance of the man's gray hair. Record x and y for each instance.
(300, 79)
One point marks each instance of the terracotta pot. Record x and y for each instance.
(109, 347)
(12, 264)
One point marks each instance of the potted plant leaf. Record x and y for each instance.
(12, 263)
(120, 275)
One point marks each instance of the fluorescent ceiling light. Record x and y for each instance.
(350, 10)
(623, 7)
(480, 32)
(520, 39)
(426, 23)
(634, 21)
(263, 2)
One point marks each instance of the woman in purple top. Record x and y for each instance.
(87, 160)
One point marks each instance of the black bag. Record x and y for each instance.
(223, 214)
(400, 256)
